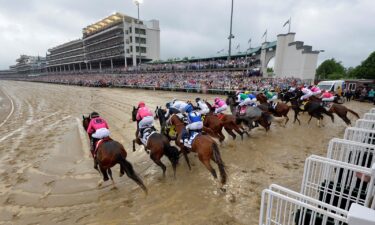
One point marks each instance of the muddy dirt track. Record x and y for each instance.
(47, 175)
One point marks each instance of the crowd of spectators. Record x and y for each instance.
(214, 80)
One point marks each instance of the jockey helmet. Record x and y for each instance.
(247, 92)
(141, 104)
(94, 115)
(168, 105)
(197, 99)
(217, 99)
(189, 108)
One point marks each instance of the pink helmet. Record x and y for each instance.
(217, 99)
(141, 104)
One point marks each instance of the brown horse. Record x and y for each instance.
(204, 146)
(281, 109)
(109, 154)
(228, 121)
(158, 144)
(339, 109)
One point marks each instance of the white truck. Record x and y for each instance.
(332, 85)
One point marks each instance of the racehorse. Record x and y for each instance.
(339, 109)
(204, 146)
(252, 114)
(159, 145)
(281, 109)
(314, 109)
(160, 114)
(108, 154)
(229, 122)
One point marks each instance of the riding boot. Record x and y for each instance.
(95, 164)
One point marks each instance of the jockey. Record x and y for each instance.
(315, 90)
(245, 100)
(306, 93)
(203, 108)
(327, 96)
(144, 117)
(175, 107)
(219, 105)
(270, 96)
(97, 129)
(195, 123)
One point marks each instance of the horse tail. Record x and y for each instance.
(267, 117)
(128, 168)
(172, 153)
(219, 162)
(354, 113)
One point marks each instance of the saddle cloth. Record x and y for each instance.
(221, 116)
(274, 105)
(243, 110)
(146, 135)
(101, 141)
(188, 142)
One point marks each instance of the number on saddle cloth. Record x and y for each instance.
(221, 116)
(189, 141)
(147, 132)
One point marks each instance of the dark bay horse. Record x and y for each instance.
(314, 109)
(111, 153)
(339, 110)
(159, 145)
(204, 146)
(253, 114)
(228, 121)
(281, 109)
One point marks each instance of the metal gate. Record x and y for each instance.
(369, 116)
(281, 206)
(365, 124)
(360, 135)
(337, 183)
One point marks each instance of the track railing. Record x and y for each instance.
(338, 183)
(369, 116)
(365, 124)
(360, 135)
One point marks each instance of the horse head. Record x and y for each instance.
(261, 97)
(134, 113)
(85, 121)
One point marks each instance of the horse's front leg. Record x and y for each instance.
(133, 145)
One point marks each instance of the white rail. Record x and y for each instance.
(365, 124)
(338, 183)
(351, 152)
(360, 135)
(281, 206)
(369, 116)
(372, 110)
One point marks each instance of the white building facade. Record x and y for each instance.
(294, 59)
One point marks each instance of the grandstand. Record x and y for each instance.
(112, 42)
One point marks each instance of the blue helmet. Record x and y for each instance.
(189, 109)
(168, 105)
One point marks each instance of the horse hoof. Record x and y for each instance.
(100, 183)
(121, 174)
(223, 189)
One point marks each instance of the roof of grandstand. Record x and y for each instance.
(221, 56)
(105, 23)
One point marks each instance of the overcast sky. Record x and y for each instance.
(345, 29)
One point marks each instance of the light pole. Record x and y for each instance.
(230, 32)
(138, 2)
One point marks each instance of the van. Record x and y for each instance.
(332, 85)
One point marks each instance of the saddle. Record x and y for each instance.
(242, 110)
(100, 142)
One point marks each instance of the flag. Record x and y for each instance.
(220, 51)
(265, 33)
(287, 22)
(238, 46)
(249, 41)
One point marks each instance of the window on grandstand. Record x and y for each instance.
(130, 29)
(143, 40)
(143, 31)
(143, 49)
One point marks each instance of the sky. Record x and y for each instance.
(344, 29)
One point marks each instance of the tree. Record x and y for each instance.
(366, 70)
(330, 68)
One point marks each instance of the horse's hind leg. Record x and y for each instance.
(230, 132)
(110, 175)
(207, 164)
(186, 157)
(159, 163)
